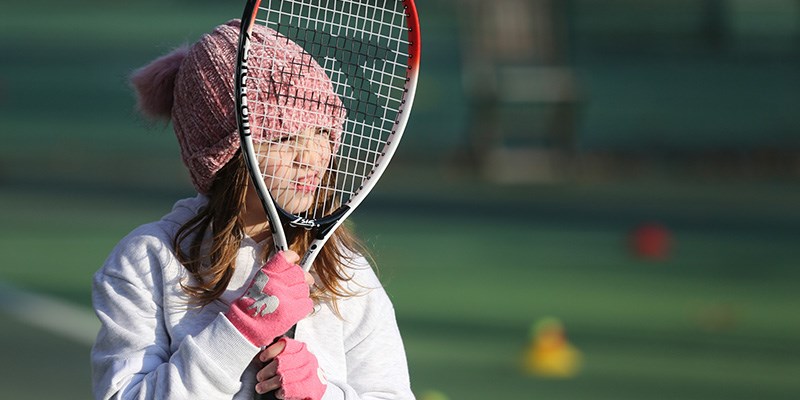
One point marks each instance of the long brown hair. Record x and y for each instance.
(208, 243)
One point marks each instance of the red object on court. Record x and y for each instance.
(651, 241)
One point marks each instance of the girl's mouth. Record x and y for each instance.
(307, 184)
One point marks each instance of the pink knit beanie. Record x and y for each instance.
(193, 87)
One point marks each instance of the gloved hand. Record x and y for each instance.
(278, 297)
(294, 372)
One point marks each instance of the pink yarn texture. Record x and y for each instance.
(277, 298)
(194, 87)
(301, 377)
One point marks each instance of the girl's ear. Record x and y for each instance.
(154, 84)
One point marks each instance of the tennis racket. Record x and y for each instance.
(369, 53)
(319, 126)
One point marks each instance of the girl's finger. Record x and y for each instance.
(309, 279)
(268, 385)
(272, 351)
(269, 371)
(291, 256)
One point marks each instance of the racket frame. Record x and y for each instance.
(246, 139)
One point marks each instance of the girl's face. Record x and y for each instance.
(293, 167)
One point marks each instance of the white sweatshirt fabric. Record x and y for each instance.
(154, 345)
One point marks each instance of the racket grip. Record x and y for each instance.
(267, 396)
(271, 395)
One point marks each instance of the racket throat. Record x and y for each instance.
(327, 225)
(325, 231)
(323, 226)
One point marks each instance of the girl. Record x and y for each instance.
(188, 302)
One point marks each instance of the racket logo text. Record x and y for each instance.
(304, 223)
(244, 109)
(354, 56)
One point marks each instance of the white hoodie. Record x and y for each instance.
(154, 345)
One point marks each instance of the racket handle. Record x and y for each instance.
(267, 396)
(271, 395)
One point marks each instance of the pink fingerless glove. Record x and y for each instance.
(299, 372)
(277, 298)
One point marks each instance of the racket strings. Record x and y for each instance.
(340, 16)
(363, 49)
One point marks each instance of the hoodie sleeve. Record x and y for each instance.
(376, 360)
(132, 359)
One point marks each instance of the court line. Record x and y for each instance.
(49, 314)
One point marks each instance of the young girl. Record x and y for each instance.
(188, 303)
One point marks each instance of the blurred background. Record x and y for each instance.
(595, 199)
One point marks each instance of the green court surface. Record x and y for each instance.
(39, 365)
(716, 320)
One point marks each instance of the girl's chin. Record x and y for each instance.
(298, 206)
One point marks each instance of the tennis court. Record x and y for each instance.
(470, 265)
(717, 320)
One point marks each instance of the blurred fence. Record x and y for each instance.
(558, 86)
(707, 86)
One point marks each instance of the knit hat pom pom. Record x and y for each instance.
(154, 84)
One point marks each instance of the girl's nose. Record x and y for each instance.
(307, 153)
(304, 156)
